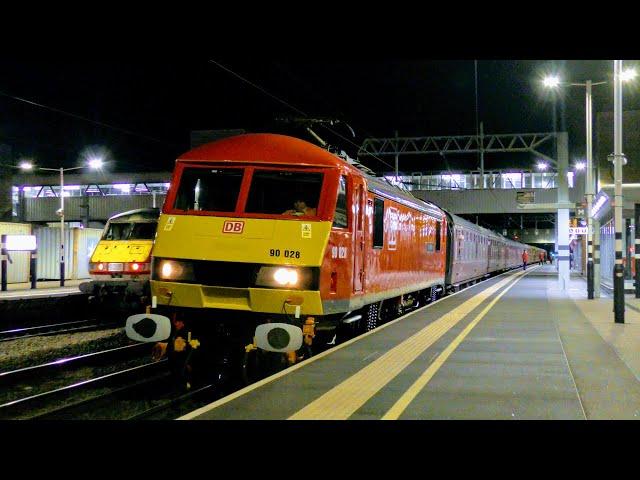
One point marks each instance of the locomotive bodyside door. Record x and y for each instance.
(359, 199)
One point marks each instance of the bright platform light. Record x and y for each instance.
(628, 74)
(551, 81)
(95, 163)
(25, 165)
(580, 165)
(541, 166)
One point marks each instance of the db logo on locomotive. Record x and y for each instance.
(232, 226)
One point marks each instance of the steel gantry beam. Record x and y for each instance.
(502, 143)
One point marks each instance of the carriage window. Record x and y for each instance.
(378, 223)
(438, 227)
(284, 193)
(340, 216)
(211, 190)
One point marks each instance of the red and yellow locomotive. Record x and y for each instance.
(269, 241)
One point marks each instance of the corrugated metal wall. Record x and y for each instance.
(48, 239)
(607, 252)
(79, 244)
(18, 270)
(100, 208)
(576, 264)
(85, 241)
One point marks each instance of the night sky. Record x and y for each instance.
(142, 112)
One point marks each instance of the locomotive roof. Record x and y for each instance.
(272, 149)
(140, 214)
(384, 189)
(266, 148)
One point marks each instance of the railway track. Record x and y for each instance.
(39, 381)
(179, 405)
(55, 329)
(103, 356)
(155, 397)
(118, 383)
(49, 403)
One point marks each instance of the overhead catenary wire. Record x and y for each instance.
(324, 99)
(80, 117)
(297, 110)
(290, 106)
(149, 165)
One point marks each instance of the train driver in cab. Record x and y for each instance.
(300, 208)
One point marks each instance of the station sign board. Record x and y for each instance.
(20, 243)
(526, 197)
(578, 230)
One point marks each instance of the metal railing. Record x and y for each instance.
(475, 181)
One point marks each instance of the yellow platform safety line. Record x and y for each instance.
(344, 399)
(407, 397)
(254, 386)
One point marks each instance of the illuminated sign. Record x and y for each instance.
(599, 202)
(20, 243)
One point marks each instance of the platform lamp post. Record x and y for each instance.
(93, 163)
(618, 159)
(552, 81)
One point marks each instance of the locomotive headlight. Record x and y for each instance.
(285, 277)
(168, 269)
(174, 270)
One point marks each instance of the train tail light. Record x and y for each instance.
(98, 267)
(137, 267)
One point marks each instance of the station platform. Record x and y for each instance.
(52, 288)
(511, 347)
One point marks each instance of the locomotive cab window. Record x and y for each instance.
(284, 193)
(117, 231)
(130, 231)
(211, 190)
(378, 223)
(340, 216)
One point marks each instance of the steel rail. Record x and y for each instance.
(51, 329)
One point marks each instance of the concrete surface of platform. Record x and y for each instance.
(513, 347)
(43, 289)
